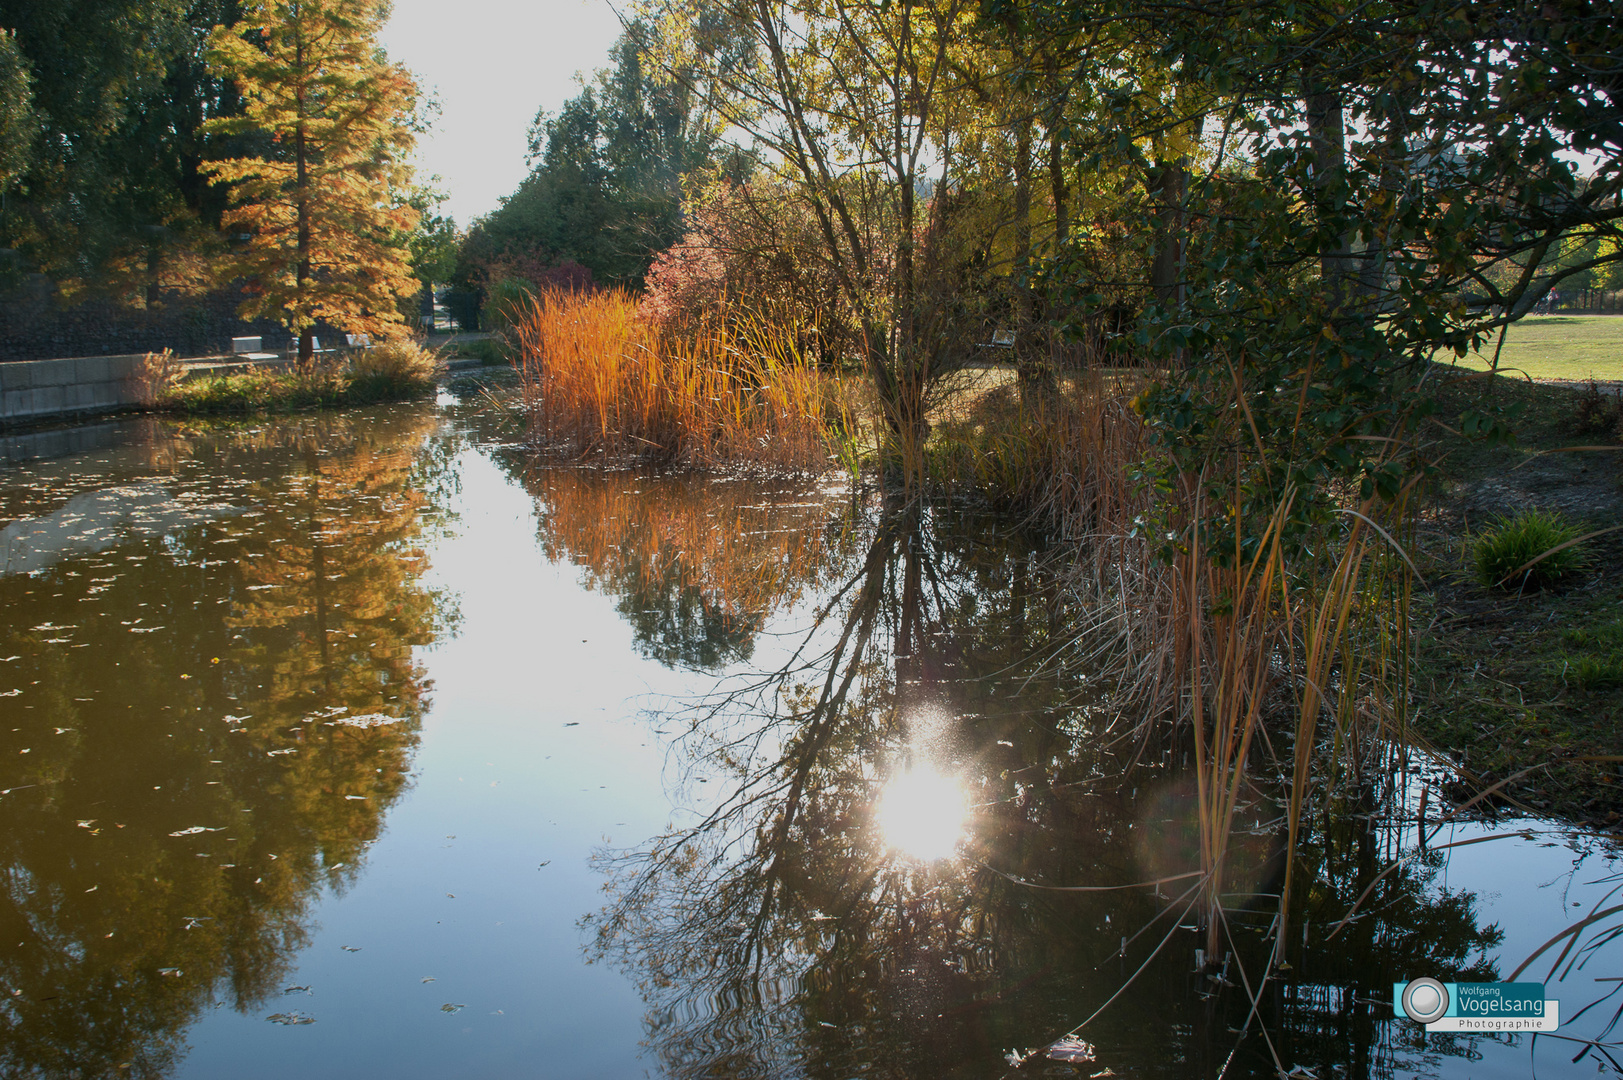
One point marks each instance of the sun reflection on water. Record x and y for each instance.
(922, 812)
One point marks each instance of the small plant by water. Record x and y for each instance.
(1532, 550)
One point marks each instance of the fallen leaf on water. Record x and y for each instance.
(1071, 1049)
(449, 1007)
(290, 1018)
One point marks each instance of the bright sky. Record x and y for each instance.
(493, 64)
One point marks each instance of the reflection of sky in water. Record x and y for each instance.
(529, 762)
(454, 946)
(95, 521)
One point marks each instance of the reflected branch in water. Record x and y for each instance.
(781, 928)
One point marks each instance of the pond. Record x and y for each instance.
(371, 745)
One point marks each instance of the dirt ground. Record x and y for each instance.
(1496, 687)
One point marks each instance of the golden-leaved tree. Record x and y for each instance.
(324, 205)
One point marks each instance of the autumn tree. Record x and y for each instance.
(16, 112)
(325, 209)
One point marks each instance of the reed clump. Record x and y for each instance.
(729, 390)
(1270, 657)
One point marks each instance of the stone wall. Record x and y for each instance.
(45, 389)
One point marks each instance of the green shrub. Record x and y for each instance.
(1502, 553)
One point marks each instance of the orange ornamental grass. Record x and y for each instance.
(599, 380)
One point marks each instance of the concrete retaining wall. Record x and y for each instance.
(46, 389)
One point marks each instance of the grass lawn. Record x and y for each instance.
(1573, 347)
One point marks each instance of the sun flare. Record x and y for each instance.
(921, 814)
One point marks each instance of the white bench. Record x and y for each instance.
(251, 348)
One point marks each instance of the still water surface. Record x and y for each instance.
(366, 745)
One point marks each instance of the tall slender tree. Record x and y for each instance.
(325, 209)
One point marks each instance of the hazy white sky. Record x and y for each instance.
(493, 64)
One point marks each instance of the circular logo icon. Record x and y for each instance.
(1425, 1000)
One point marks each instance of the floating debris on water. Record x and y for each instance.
(290, 1019)
(1072, 1049)
(450, 1007)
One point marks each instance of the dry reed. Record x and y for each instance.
(598, 380)
(1208, 651)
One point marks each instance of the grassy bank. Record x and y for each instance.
(1525, 686)
(1566, 347)
(392, 372)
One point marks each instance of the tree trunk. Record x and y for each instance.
(1327, 137)
(1038, 387)
(1061, 190)
(307, 340)
(1169, 185)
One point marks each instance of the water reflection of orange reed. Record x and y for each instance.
(733, 389)
(746, 545)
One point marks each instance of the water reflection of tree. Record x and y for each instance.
(696, 563)
(210, 727)
(776, 935)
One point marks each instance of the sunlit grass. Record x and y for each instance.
(1570, 347)
(734, 390)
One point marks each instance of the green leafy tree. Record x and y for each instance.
(109, 192)
(325, 208)
(606, 189)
